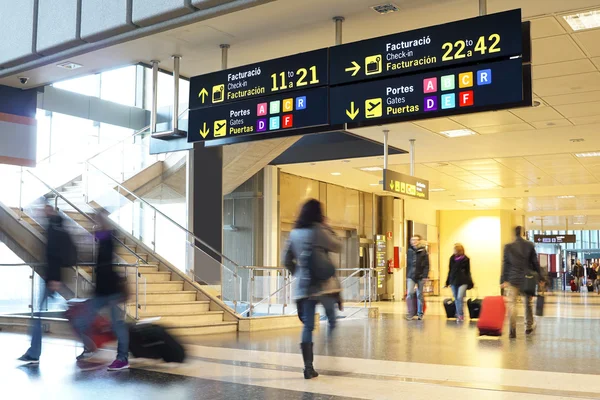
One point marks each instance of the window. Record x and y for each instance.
(118, 85)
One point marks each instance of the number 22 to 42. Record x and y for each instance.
(457, 50)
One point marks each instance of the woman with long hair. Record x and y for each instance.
(459, 278)
(307, 256)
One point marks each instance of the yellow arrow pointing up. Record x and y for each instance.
(203, 93)
(204, 132)
(352, 113)
(354, 69)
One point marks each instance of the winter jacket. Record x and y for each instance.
(322, 239)
(417, 263)
(519, 258)
(108, 281)
(58, 246)
(459, 271)
(578, 271)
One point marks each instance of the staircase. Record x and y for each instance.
(183, 307)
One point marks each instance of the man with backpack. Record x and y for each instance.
(60, 253)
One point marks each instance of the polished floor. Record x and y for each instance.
(385, 358)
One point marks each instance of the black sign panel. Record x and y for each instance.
(470, 40)
(297, 72)
(405, 185)
(267, 115)
(554, 239)
(451, 91)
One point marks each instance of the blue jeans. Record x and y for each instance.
(35, 351)
(309, 307)
(410, 291)
(83, 324)
(458, 292)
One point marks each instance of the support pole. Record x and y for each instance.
(176, 63)
(224, 54)
(154, 109)
(412, 157)
(339, 21)
(482, 7)
(385, 148)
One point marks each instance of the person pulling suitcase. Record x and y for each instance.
(459, 280)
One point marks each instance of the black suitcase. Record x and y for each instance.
(539, 306)
(474, 306)
(450, 308)
(153, 341)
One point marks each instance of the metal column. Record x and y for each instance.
(385, 148)
(176, 63)
(224, 54)
(482, 7)
(339, 21)
(154, 109)
(412, 157)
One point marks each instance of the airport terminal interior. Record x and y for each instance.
(195, 132)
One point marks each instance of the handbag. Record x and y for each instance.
(530, 283)
(317, 261)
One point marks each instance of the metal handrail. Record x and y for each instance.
(130, 193)
(83, 213)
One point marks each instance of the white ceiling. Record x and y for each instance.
(519, 159)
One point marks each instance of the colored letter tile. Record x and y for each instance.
(447, 82)
(273, 123)
(448, 101)
(300, 103)
(431, 103)
(274, 107)
(288, 105)
(261, 109)
(466, 98)
(261, 125)
(430, 85)
(484, 77)
(287, 121)
(465, 80)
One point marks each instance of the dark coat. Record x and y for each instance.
(459, 272)
(578, 271)
(108, 281)
(57, 245)
(417, 263)
(519, 258)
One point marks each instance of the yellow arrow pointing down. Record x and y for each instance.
(204, 132)
(203, 93)
(354, 69)
(352, 113)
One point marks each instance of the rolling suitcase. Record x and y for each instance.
(100, 332)
(539, 306)
(573, 286)
(147, 340)
(474, 306)
(413, 303)
(492, 316)
(450, 307)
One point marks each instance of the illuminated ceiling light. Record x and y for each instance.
(374, 184)
(336, 173)
(458, 133)
(371, 169)
(437, 190)
(386, 8)
(579, 219)
(590, 154)
(464, 201)
(584, 20)
(69, 65)
(566, 197)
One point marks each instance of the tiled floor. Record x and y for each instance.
(387, 358)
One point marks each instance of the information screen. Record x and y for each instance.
(470, 40)
(297, 72)
(276, 113)
(448, 92)
(554, 239)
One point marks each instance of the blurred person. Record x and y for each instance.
(307, 255)
(520, 258)
(60, 253)
(578, 272)
(417, 262)
(596, 268)
(110, 291)
(459, 278)
(591, 277)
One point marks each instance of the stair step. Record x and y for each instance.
(120, 249)
(165, 297)
(183, 320)
(156, 309)
(142, 268)
(152, 287)
(208, 329)
(155, 276)
(130, 258)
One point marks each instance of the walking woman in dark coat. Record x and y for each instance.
(459, 278)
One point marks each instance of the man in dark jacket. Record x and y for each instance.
(519, 258)
(59, 254)
(417, 265)
(578, 274)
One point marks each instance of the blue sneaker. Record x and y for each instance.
(29, 360)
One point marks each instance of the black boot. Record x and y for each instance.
(307, 355)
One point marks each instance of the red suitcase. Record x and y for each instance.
(100, 332)
(491, 317)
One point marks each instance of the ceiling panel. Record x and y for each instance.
(534, 114)
(544, 27)
(585, 120)
(439, 124)
(488, 130)
(487, 119)
(596, 61)
(567, 84)
(552, 161)
(555, 49)
(563, 68)
(555, 123)
(574, 98)
(576, 179)
(589, 40)
(580, 110)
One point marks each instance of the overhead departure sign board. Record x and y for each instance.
(554, 239)
(470, 40)
(451, 91)
(276, 113)
(405, 185)
(297, 72)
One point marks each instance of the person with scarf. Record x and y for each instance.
(459, 278)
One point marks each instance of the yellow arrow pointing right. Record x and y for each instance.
(352, 113)
(204, 132)
(354, 68)
(203, 93)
